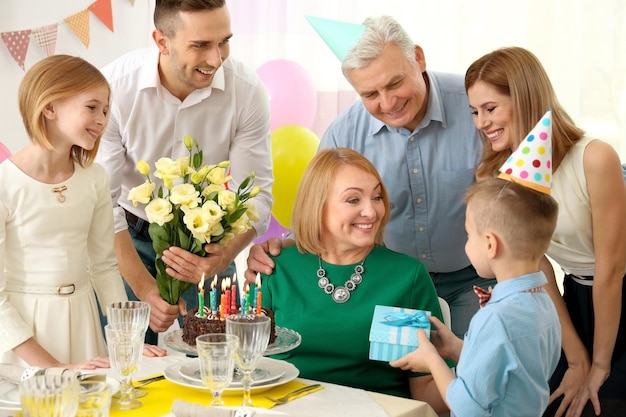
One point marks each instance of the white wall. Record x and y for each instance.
(582, 44)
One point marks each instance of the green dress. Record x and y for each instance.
(335, 337)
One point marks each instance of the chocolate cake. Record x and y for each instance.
(194, 326)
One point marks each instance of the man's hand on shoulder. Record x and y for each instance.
(259, 259)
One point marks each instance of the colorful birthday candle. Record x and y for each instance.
(214, 306)
(233, 294)
(201, 297)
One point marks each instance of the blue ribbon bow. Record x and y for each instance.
(419, 319)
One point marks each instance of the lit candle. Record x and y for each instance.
(214, 307)
(212, 297)
(233, 294)
(227, 298)
(259, 295)
(257, 283)
(201, 297)
(248, 302)
(222, 299)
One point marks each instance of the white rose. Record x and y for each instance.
(159, 211)
(141, 193)
(185, 195)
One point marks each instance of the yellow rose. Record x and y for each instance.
(196, 223)
(251, 211)
(226, 199)
(212, 188)
(217, 175)
(143, 167)
(185, 195)
(168, 170)
(141, 193)
(183, 162)
(255, 191)
(159, 211)
(198, 176)
(212, 212)
(241, 225)
(188, 142)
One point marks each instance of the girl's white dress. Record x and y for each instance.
(46, 243)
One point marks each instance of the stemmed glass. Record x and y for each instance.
(136, 312)
(216, 353)
(125, 346)
(254, 333)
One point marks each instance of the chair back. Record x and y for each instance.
(445, 312)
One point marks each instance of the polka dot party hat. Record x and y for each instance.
(531, 163)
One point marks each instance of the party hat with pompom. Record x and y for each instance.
(531, 163)
(339, 36)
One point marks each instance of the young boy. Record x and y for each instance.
(513, 343)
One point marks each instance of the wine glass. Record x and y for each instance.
(125, 346)
(49, 395)
(216, 353)
(136, 312)
(254, 333)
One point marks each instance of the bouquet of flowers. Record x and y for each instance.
(193, 206)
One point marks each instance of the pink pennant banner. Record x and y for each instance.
(46, 36)
(17, 43)
(102, 10)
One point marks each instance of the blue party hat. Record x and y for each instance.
(339, 36)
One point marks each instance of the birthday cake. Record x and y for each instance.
(194, 325)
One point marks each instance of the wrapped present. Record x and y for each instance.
(394, 332)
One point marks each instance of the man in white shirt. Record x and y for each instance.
(188, 85)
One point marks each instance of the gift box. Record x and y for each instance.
(393, 333)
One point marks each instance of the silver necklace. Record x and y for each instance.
(340, 294)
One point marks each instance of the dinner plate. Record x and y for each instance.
(286, 340)
(9, 396)
(172, 373)
(260, 376)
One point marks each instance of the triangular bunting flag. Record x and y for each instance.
(102, 10)
(17, 43)
(339, 36)
(132, 2)
(531, 163)
(46, 36)
(79, 24)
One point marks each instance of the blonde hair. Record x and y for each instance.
(55, 78)
(525, 219)
(517, 73)
(312, 195)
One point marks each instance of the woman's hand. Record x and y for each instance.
(153, 351)
(589, 392)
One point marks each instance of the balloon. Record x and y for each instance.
(293, 147)
(275, 230)
(293, 98)
(4, 152)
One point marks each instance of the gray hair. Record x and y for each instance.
(379, 32)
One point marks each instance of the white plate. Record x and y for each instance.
(172, 373)
(10, 394)
(286, 340)
(260, 376)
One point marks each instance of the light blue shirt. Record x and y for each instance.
(510, 350)
(426, 172)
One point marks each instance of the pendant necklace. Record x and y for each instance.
(59, 192)
(340, 294)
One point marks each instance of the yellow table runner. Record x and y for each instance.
(162, 394)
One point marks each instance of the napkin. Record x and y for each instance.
(162, 395)
(11, 372)
(17, 373)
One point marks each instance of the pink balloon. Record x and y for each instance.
(275, 230)
(293, 98)
(4, 152)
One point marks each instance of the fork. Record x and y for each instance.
(143, 382)
(287, 397)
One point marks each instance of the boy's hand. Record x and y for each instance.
(447, 343)
(418, 360)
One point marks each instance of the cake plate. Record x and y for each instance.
(286, 340)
